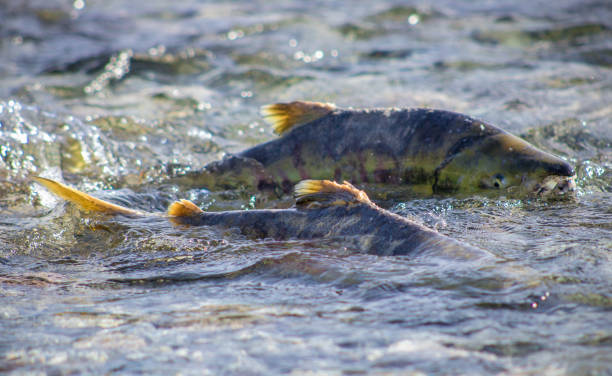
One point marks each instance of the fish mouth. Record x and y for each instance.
(555, 185)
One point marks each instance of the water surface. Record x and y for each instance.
(111, 96)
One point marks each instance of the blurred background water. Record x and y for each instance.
(113, 95)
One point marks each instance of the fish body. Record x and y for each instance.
(324, 210)
(432, 151)
(366, 228)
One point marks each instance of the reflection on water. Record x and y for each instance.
(116, 96)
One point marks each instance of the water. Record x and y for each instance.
(113, 95)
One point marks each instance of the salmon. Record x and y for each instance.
(429, 151)
(323, 210)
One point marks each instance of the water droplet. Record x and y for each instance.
(157, 51)
(414, 19)
(235, 34)
(78, 4)
(204, 106)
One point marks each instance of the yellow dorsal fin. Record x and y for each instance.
(321, 193)
(183, 208)
(83, 200)
(284, 116)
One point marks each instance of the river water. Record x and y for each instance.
(111, 95)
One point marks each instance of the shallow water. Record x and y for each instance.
(113, 96)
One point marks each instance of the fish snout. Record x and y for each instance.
(560, 182)
(564, 169)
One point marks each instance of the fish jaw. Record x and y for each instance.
(544, 174)
(553, 186)
(505, 162)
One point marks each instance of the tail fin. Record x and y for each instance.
(182, 208)
(83, 200)
(284, 116)
(322, 193)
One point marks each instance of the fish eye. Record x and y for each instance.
(499, 181)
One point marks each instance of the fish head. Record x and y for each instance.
(505, 162)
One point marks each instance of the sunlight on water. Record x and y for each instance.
(114, 98)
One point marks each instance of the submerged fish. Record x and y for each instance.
(431, 151)
(324, 209)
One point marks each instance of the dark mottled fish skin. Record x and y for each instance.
(428, 151)
(374, 230)
(392, 132)
(385, 135)
(397, 146)
(324, 210)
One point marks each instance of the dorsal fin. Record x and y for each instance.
(322, 193)
(83, 200)
(284, 116)
(183, 208)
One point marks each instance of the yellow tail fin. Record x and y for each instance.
(322, 193)
(284, 116)
(83, 200)
(182, 208)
